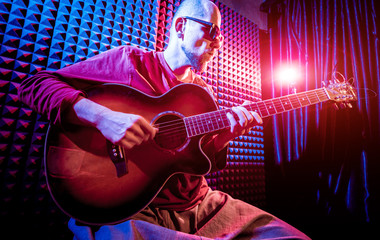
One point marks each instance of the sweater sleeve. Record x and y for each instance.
(51, 93)
(46, 94)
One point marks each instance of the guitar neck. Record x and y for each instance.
(213, 121)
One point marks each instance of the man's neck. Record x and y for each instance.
(177, 64)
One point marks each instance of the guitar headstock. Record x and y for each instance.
(341, 92)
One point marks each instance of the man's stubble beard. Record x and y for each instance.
(196, 63)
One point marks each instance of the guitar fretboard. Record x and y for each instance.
(217, 120)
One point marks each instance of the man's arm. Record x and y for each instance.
(243, 122)
(48, 95)
(123, 129)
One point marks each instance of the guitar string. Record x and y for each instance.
(203, 122)
(179, 123)
(197, 127)
(199, 124)
(312, 98)
(181, 120)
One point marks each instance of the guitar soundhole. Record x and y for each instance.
(171, 132)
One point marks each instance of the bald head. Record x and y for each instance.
(196, 8)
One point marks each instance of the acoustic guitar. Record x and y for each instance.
(99, 183)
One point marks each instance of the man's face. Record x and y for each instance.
(197, 45)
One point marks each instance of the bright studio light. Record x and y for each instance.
(288, 75)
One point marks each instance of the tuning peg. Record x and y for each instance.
(323, 84)
(336, 106)
(342, 105)
(349, 105)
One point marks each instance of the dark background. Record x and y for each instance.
(315, 168)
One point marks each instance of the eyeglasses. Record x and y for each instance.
(214, 29)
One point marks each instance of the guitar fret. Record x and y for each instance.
(322, 95)
(215, 122)
(224, 119)
(220, 120)
(202, 122)
(263, 109)
(194, 124)
(286, 103)
(199, 124)
(316, 96)
(189, 129)
(190, 126)
(207, 121)
(278, 105)
(255, 108)
(303, 99)
(313, 98)
(270, 107)
(294, 101)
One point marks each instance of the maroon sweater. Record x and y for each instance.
(50, 93)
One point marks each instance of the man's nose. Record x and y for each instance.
(218, 42)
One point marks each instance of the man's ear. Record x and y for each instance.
(180, 27)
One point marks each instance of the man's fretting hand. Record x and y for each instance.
(241, 123)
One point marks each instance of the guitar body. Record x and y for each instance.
(85, 182)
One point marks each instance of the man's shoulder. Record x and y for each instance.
(121, 53)
(137, 53)
(131, 49)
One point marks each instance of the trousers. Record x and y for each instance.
(218, 216)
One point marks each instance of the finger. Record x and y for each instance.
(232, 120)
(241, 116)
(137, 130)
(257, 117)
(247, 113)
(148, 129)
(126, 144)
(246, 102)
(130, 137)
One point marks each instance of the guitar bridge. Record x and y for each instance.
(116, 153)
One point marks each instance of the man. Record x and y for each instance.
(185, 208)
